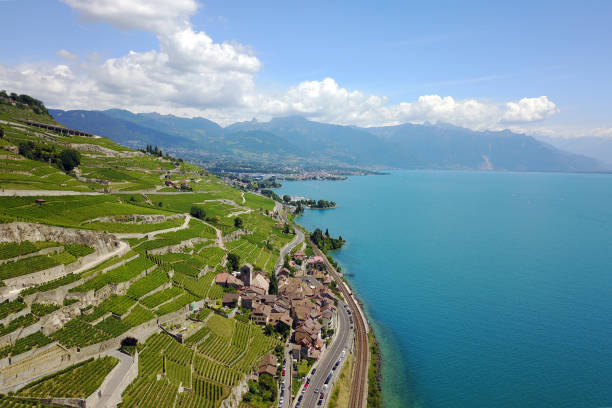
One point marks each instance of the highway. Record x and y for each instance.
(341, 341)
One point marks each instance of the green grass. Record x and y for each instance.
(221, 326)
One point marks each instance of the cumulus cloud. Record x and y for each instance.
(191, 74)
(529, 110)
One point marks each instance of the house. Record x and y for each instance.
(315, 263)
(261, 282)
(268, 365)
(261, 314)
(231, 300)
(299, 256)
(226, 280)
(284, 272)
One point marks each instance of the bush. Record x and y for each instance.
(238, 222)
(70, 159)
(233, 262)
(198, 212)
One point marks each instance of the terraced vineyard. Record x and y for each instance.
(218, 353)
(78, 381)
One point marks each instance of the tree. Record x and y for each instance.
(283, 329)
(269, 329)
(238, 222)
(326, 232)
(1, 133)
(286, 229)
(287, 198)
(233, 262)
(70, 159)
(273, 289)
(197, 212)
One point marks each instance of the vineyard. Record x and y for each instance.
(175, 304)
(78, 381)
(80, 334)
(160, 297)
(119, 274)
(117, 305)
(7, 308)
(146, 284)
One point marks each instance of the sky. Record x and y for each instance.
(535, 67)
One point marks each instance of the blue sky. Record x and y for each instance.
(486, 52)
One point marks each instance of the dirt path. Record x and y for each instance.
(154, 233)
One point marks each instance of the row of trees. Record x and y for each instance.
(25, 100)
(309, 203)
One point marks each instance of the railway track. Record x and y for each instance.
(359, 388)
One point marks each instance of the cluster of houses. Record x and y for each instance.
(178, 185)
(305, 305)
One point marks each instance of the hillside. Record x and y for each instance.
(108, 250)
(297, 141)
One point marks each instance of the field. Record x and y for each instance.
(78, 381)
(120, 274)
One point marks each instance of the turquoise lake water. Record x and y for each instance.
(485, 289)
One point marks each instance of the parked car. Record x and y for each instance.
(322, 395)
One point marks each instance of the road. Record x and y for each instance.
(325, 364)
(360, 369)
(298, 239)
(287, 378)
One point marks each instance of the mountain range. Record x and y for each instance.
(296, 141)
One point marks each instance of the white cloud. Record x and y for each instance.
(66, 54)
(150, 15)
(190, 74)
(529, 110)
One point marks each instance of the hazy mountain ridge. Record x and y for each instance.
(294, 138)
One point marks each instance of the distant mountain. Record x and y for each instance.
(298, 141)
(118, 130)
(599, 148)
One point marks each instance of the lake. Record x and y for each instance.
(485, 289)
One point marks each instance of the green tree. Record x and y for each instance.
(70, 159)
(273, 289)
(287, 198)
(238, 222)
(197, 212)
(1, 133)
(233, 262)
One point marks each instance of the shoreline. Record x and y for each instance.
(374, 393)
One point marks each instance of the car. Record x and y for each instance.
(308, 380)
(322, 395)
(305, 385)
(320, 402)
(300, 398)
(316, 390)
(283, 371)
(314, 370)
